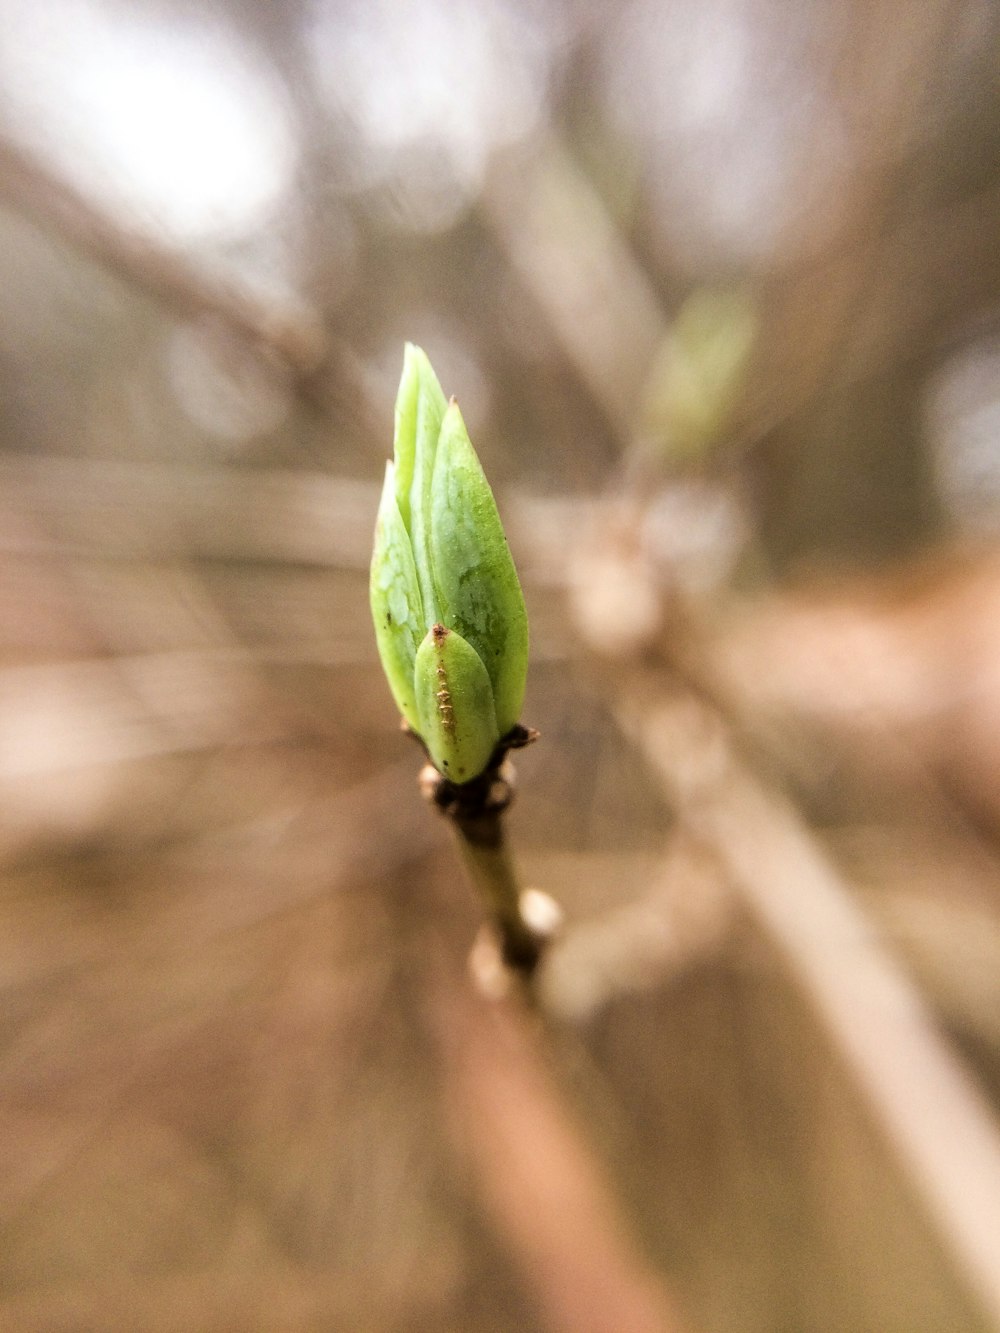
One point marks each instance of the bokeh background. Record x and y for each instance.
(718, 287)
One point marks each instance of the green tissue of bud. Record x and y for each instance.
(449, 615)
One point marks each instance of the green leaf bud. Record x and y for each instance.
(478, 590)
(450, 622)
(699, 373)
(397, 607)
(455, 705)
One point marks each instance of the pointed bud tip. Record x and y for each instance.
(416, 361)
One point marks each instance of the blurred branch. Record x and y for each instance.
(539, 1176)
(933, 1119)
(112, 711)
(122, 510)
(125, 510)
(291, 333)
(567, 249)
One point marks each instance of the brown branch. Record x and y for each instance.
(921, 1100)
(537, 1173)
(291, 333)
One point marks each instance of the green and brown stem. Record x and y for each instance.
(475, 812)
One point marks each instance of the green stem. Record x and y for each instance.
(486, 855)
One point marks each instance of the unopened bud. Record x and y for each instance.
(450, 623)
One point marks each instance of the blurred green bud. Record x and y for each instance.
(699, 372)
(449, 615)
